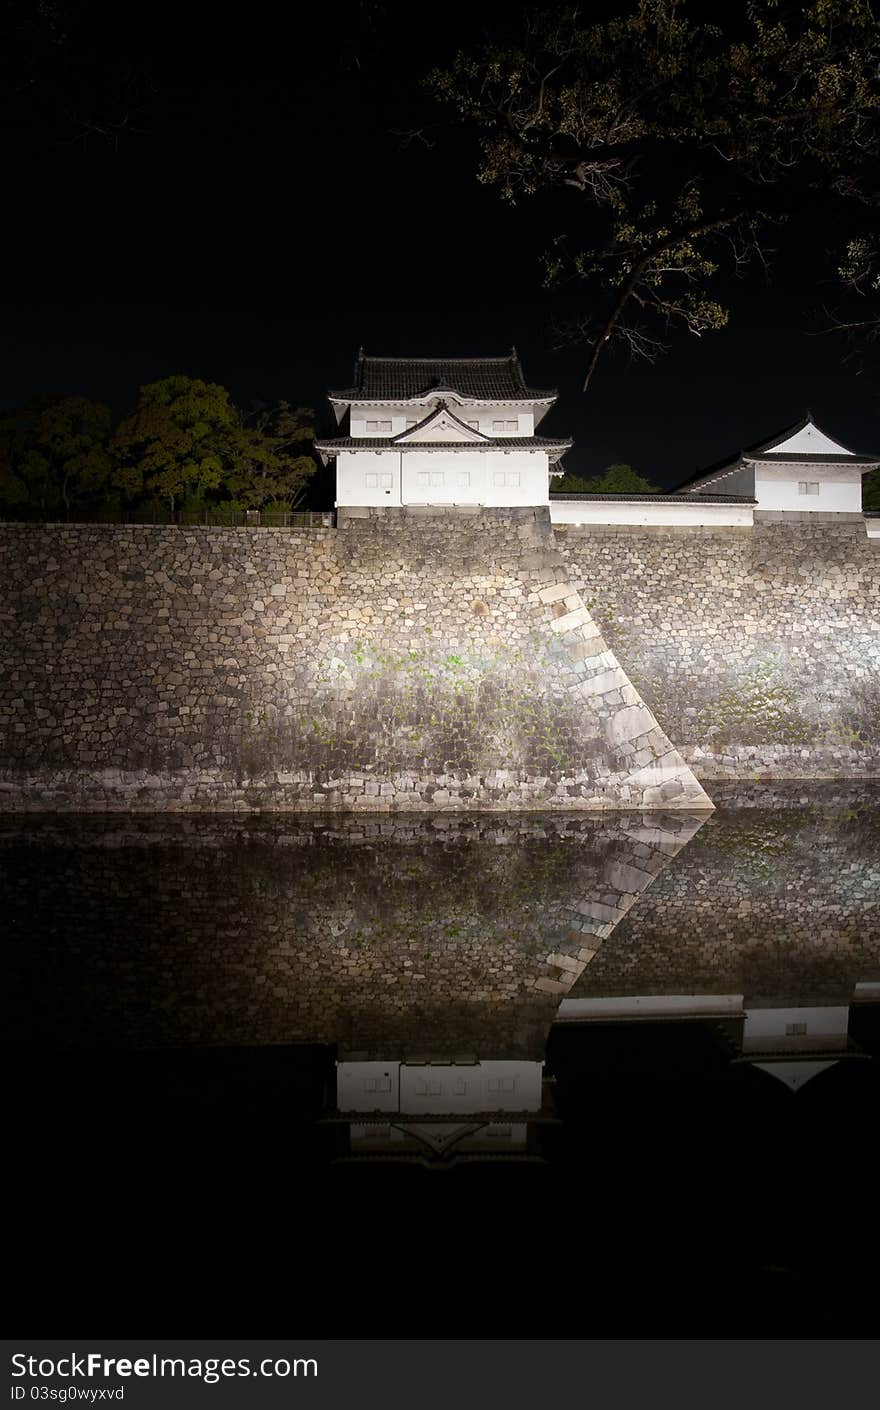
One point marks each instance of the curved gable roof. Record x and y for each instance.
(773, 448)
(440, 411)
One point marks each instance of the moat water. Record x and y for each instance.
(437, 1069)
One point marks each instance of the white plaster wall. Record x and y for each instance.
(643, 512)
(824, 1027)
(445, 1088)
(400, 416)
(352, 468)
(459, 1089)
(808, 441)
(491, 477)
(466, 477)
(368, 1086)
(840, 492)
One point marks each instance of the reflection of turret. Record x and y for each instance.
(434, 1110)
(793, 1042)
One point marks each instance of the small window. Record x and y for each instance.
(438, 477)
(808, 487)
(505, 427)
(386, 479)
(410, 425)
(508, 478)
(464, 479)
(372, 425)
(502, 1084)
(513, 479)
(372, 480)
(474, 425)
(795, 1030)
(424, 479)
(384, 425)
(511, 425)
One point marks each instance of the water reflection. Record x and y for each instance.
(450, 989)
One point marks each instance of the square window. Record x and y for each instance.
(371, 479)
(511, 425)
(497, 477)
(502, 1084)
(474, 425)
(808, 487)
(424, 479)
(384, 425)
(386, 479)
(437, 477)
(372, 425)
(497, 425)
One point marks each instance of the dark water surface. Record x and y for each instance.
(468, 1076)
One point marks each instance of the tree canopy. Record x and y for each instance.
(682, 142)
(54, 457)
(186, 447)
(615, 479)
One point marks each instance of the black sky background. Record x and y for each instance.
(259, 217)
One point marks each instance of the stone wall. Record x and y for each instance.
(758, 649)
(398, 937)
(439, 661)
(778, 903)
(402, 661)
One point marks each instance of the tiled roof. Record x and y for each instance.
(407, 378)
(551, 447)
(660, 498)
(759, 451)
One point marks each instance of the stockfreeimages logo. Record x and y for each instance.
(94, 1365)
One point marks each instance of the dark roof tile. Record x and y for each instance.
(544, 443)
(406, 378)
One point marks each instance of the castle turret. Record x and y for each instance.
(442, 431)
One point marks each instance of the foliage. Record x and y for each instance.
(679, 142)
(871, 490)
(615, 479)
(54, 456)
(186, 446)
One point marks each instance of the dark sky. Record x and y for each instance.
(259, 218)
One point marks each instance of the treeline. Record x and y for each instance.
(186, 449)
(615, 479)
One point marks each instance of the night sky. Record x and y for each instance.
(258, 218)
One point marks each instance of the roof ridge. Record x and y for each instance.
(404, 357)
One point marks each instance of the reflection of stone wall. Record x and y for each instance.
(758, 649)
(404, 938)
(781, 906)
(428, 662)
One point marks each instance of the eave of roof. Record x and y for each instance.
(353, 397)
(484, 443)
(812, 458)
(658, 498)
(757, 452)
